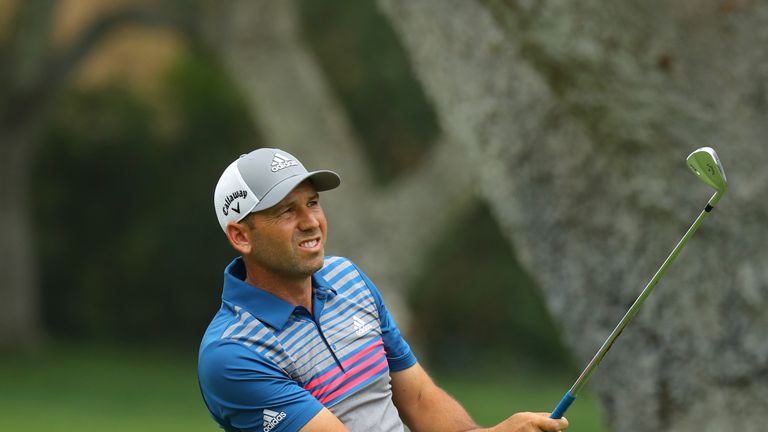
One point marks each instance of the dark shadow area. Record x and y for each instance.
(475, 307)
(368, 69)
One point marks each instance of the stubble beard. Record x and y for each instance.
(290, 265)
(305, 267)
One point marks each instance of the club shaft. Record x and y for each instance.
(587, 372)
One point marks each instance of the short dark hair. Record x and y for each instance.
(248, 220)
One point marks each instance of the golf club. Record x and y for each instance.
(706, 165)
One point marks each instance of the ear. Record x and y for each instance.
(240, 237)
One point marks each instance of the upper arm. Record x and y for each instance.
(409, 387)
(246, 391)
(426, 407)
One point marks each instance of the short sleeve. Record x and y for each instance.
(399, 354)
(245, 391)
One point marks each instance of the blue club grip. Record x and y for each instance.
(562, 407)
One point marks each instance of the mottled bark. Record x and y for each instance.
(578, 116)
(386, 230)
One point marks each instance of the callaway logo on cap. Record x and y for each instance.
(259, 180)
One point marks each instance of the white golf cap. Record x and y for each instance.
(260, 179)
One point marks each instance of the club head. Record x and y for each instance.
(706, 165)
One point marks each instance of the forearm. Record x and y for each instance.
(425, 408)
(436, 410)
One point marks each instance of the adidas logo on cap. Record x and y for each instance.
(281, 161)
(271, 419)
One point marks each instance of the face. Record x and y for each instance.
(289, 238)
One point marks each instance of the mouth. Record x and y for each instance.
(311, 244)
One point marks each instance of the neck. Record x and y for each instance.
(295, 290)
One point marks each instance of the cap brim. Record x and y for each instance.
(323, 180)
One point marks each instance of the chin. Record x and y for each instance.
(318, 263)
(309, 265)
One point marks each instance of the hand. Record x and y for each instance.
(530, 422)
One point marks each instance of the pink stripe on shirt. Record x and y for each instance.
(333, 385)
(346, 363)
(355, 382)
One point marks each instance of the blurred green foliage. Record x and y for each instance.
(124, 211)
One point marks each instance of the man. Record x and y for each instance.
(303, 341)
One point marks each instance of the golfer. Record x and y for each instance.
(304, 341)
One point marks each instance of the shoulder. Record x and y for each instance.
(230, 344)
(221, 355)
(244, 386)
(231, 324)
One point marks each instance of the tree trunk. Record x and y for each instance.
(384, 230)
(23, 57)
(20, 309)
(578, 116)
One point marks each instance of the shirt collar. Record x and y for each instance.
(265, 306)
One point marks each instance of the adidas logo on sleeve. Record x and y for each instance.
(271, 419)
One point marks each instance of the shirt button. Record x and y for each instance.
(333, 346)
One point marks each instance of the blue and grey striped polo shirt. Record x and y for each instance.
(266, 365)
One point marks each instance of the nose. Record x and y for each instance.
(309, 220)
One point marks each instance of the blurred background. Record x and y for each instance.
(117, 118)
(122, 119)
